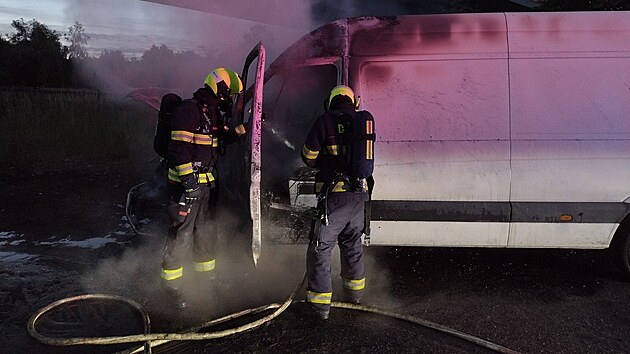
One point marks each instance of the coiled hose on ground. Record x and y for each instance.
(128, 209)
(150, 339)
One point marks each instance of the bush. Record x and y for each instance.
(48, 128)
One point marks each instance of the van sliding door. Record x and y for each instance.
(570, 128)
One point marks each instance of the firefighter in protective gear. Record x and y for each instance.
(198, 130)
(341, 204)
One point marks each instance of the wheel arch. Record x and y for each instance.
(620, 245)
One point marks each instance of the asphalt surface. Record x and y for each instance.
(530, 301)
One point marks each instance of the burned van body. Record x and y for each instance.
(493, 130)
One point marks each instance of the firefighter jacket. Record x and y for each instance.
(325, 150)
(197, 134)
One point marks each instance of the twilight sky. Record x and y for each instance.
(133, 25)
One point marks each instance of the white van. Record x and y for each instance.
(493, 130)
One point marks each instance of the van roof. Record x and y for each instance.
(451, 34)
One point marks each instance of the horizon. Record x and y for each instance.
(133, 27)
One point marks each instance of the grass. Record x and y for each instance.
(52, 128)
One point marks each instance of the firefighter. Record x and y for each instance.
(342, 200)
(198, 130)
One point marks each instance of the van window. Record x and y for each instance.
(293, 98)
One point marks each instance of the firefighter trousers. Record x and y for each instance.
(345, 227)
(196, 230)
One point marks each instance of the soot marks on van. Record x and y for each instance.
(326, 41)
(392, 35)
(436, 29)
(378, 73)
(434, 34)
(366, 33)
(491, 29)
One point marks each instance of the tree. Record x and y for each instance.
(38, 58)
(6, 53)
(157, 65)
(111, 68)
(78, 40)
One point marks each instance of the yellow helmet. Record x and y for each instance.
(223, 82)
(343, 90)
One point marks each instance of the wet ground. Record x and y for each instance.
(63, 235)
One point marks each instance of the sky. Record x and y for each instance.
(132, 26)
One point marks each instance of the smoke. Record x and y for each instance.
(323, 11)
(225, 41)
(237, 284)
(223, 33)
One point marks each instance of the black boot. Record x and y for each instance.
(352, 297)
(175, 297)
(312, 311)
(205, 287)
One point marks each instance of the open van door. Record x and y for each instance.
(252, 103)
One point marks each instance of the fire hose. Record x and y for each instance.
(128, 209)
(150, 339)
(155, 339)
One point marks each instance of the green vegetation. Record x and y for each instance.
(61, 129)
(33, 56)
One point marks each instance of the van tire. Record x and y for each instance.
(624, 254)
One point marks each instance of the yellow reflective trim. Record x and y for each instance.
(215, 142)
(240, 129)
(350, 284)
(204, 266)
(341, 186)
(369, 149)
(172, 175)
(309, 154)
(184, 169)
(333, 149)
(201, 178)
(205, 178)
(172, 274)
(182, 135)
(336, 150)
(202, 139)
(319, 298)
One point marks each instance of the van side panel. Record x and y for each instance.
(441, 114)
(431, 143)
(570, 125)
(493, 130)
(431, 146)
